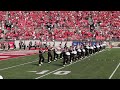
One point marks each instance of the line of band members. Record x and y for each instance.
(69, 54)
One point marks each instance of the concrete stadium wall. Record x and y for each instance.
(115, 44)
(69, 43)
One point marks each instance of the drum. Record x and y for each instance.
(92, 48)
(74, 52)
(88, 47)
(67, 53)
(83, 50)
(79, 50)
(98, 46)
(58, 52)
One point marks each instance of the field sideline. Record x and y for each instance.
(102, 65)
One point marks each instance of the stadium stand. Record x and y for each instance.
(59, 25)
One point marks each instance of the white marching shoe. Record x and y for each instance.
(49, 62)
(64, 65)
(39, 64)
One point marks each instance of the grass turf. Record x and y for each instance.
(99, 66)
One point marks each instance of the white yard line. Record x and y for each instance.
(17, 65)
(114, 71)
(66, 66)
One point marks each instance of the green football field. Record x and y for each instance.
(102, 65)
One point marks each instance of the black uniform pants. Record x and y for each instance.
(41, 59)
(49, 57)
(66, 59)
(55, 55)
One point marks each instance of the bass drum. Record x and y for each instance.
(79, 50)
(58, 52)
(91, 48)
(88, 47)
(67, 53)
(94, 47)
(74, 52)
(83, 50)
(98, 46)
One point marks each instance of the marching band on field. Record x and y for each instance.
(69, 54)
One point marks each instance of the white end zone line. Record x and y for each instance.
(67, 65)
(114, 71)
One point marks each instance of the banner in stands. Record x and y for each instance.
(75, 43)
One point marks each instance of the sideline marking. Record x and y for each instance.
(114, 71)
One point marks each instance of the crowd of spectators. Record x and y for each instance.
(59, 25)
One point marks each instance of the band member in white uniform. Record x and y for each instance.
(78, 52)
(91, 49)
(74, 54)
(41, 58)
(66, 56)
(49, 54)
(57, 52)
(94, 48)
(83, 52)
(86, 50)
(98, 47)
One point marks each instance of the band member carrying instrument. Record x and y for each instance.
(41, 58)
(74, 54)
(98, 47)
(86, 50)
(70, 51)
(54, 53)
(78, 52)
(49, 54)
(61, 54)
(57, 53)
(91, 49)
(83, 52)
(66, 56)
